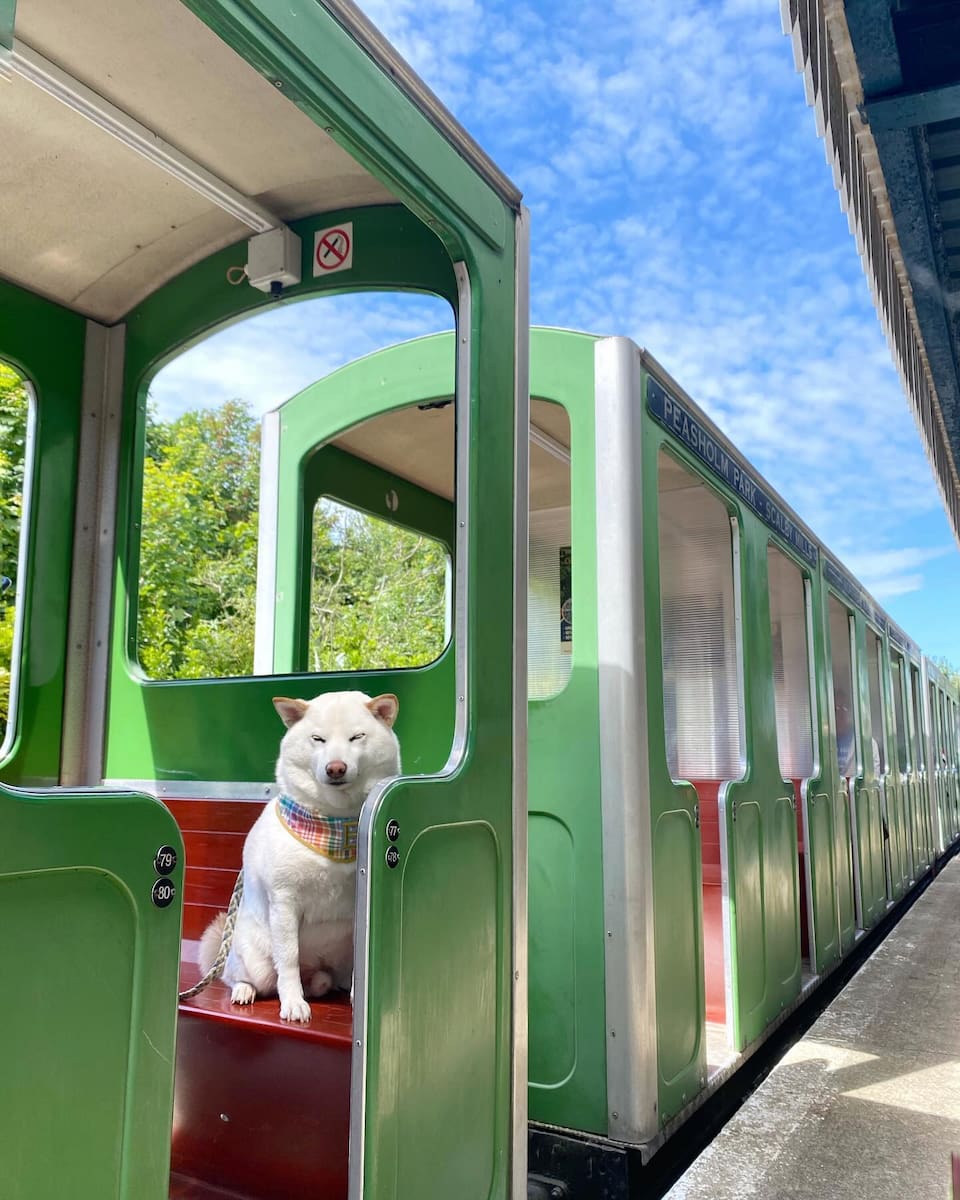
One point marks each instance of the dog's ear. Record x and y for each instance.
(385, 707)
(290, 710)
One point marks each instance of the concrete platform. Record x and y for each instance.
(867, 1105)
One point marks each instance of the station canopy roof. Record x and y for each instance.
(884, 79)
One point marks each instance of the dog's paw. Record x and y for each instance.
(320, 983)
(295, 1010)
(243, 993)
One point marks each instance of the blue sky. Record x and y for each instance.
(679, 195)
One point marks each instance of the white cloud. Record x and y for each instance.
(272, 356)
(679, 196)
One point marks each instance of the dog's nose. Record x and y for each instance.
(336, 769)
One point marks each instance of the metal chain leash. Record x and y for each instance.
(226, 939)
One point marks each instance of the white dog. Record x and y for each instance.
(295, 921)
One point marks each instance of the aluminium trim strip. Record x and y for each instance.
(198, 789)
(86, 696)
(34, 68)
(521, 500)
(629, 959)
(265, 624)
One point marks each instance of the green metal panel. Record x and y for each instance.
(678, 925)
(843, 848)
(821, 826)
(676, 852)
(820, 841)
(29, 326)
(222, 729)
(476, 1010)
(567, 1005)
(88, 1075)
(761, 828)
(155, 730)
(567, 1051)
(437, 1135)
(873, 888)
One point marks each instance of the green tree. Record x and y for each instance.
(947, 668)
(378, 595)
(377, 591)
(14, 410)
(198, 549)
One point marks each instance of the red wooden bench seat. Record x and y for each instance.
(261, 1106)
(708, 791)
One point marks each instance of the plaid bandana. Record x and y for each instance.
(333, 837)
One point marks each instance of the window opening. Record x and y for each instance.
(196, 606)
(702, 709)
(550, 587)
(916, 700)
(16, 430)
(844, 700)
(379, 594)
(791, 666)
(899, 716)
(878, 737)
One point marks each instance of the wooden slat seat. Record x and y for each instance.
(262, 1106)
(708, 792)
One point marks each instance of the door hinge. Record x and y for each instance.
(696, 816)
(733, 809)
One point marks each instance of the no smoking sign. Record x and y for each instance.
(333, 249)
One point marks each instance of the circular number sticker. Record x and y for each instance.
(393, 829)
(165, 860)
(393, 857)
(163, 893)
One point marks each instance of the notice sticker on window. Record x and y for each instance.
(566, 601)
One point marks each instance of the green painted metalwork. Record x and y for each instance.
(162, 730)
(88, 1077)
(566, 1026)
(567, 999)
(223, 729)
(29, 326)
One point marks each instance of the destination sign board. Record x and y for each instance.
(732, 470)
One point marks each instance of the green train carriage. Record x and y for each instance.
(149, 148)
(728, 745)
(709, 826)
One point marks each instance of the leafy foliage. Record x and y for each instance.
(14, 409)
(947, 668)
(378, 595)
(198, 550)
(377, 591)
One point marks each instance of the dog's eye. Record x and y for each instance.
(317, 738)
(357, 736)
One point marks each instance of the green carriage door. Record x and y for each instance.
(844, 702)
(89, 910)
(432, 1063)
